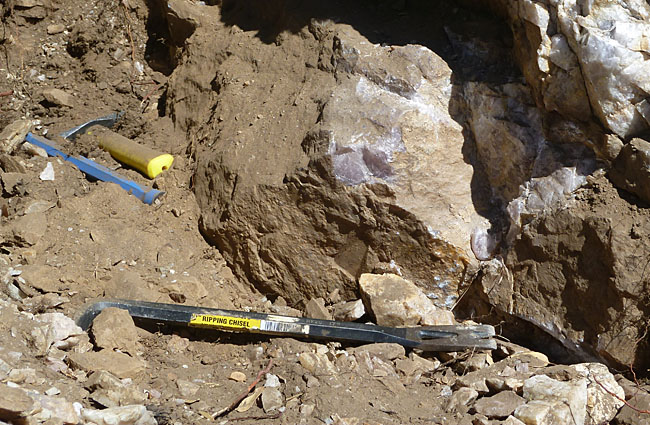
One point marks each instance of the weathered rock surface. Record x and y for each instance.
(272, 399)
(526, 171)
(58, 97)
(391, 120)
(553, 401)
(316, 309)
(501, 405)
(14, 403)
(54, 409)
(109, 391)
(126, 415)
(395, 301)
(24, 231)
(13, 135)
(631, 169)
(54, 330)
(348, 311)
(578, 274)
(285, 221)
(637, 397)
(585, 58)
(119, 364)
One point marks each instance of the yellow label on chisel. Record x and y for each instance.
(212, 321)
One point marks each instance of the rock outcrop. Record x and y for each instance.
(364, 167)
(584, 58)
(581, 275)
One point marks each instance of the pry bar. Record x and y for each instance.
(426, 338)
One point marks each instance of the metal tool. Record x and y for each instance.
(108, 121)
(98, 171)
(427, 338)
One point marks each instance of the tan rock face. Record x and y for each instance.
(285, 220)
(391, 121)
(397, 302)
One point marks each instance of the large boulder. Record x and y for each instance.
(334, 158)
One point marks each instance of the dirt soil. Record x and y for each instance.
(89, 239)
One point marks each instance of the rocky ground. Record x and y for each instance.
(225, 233)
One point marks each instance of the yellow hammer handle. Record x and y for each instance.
(146, 160)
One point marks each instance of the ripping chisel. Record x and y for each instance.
(426, 338)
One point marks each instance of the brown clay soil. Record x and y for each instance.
(102, 242)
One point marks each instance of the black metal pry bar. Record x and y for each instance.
(426, 338)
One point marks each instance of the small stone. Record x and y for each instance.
(461, 399)
(177, 344)
(110, 391)
(413, 367)
(567, 401)
(311, 381)
(475, 381)
(395, 301)
(535, 358)
(25, 231)
(511, 420)
(237, 376)
(306, 409)
(34, 150)
(13, 135)
(348, 311)
(54, 330)
(316, 363)
(272, 381)
(476, 361)
(39, 277)
(13, 183)
(14, 403)
(631, 169)
(499, 406)
(39, 206)
(271, 399)
(119, 364)
(383, 350)
(23, 375)
(187, 389)
(48, 173)
(5, 368)
(58, 97)
(316, 309)
(55, 409)
(113, 328)
(55, 29)
(11, 164)
(127, 415)
(534, 412)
